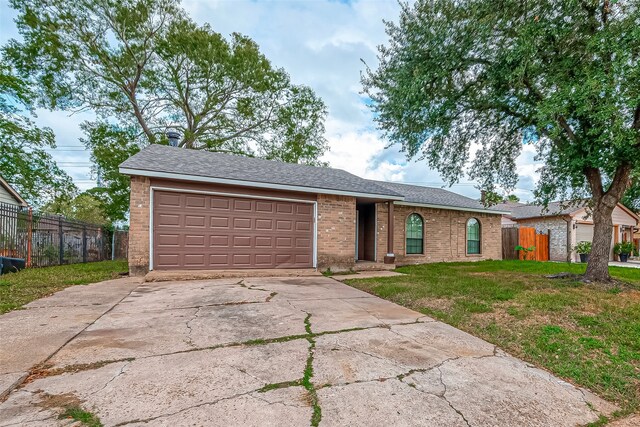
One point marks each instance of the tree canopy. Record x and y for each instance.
(489, 76)
(145, 68)
(25, 162)
(82, 207)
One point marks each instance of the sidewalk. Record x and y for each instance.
(629, 264)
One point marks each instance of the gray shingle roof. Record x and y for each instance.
(522, 211)
(432, 196)
(195, 163)
(173, 160)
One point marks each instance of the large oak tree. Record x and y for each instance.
(145, 68)
(563, 75)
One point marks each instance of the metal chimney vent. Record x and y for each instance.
(174, 138)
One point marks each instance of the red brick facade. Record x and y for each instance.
(139, 226)
(444, 232)
(336, 232)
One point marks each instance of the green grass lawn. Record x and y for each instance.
(17, 289)
(587, 334)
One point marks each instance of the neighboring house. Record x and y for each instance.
(199, 210)
(567, 225)
(10, 204)
(9, 195)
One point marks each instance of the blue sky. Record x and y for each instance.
(321, 44)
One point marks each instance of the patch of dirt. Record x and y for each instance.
(564, 275)
(56, 401)
(502, 318)
(631, 296)
(44, 371)
(631, 421)
(37, 372)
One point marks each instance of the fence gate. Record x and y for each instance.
(530, 237)
(525, 237)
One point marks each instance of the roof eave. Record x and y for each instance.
(542, 216)
(255, 184)
(13, 192)
(451, 208)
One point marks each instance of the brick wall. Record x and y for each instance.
(558, 237)
(139, 226)
(336, 232)
(444, 235)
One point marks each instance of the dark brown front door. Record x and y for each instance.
(197, 231)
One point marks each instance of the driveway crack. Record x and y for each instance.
(213, 402)
(188, 324)
(122, 371)
(444, 397)
(316, 414)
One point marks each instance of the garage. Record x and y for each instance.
(584, 232)
(205, 231)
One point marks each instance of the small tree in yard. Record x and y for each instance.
(563, 75)
(526, 251)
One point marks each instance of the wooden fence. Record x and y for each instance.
(526, 237)
(510, 239)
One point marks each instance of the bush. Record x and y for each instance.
(526, 251)
(583, 248)
(623, 248)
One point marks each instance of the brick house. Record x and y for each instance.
(568, 224)
(200, 210)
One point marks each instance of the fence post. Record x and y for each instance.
(29, 235)
(61, 240)
(84, 244)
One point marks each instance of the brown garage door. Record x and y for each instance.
(195, 231)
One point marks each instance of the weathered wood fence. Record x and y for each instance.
(525, 237)
(510, 239)
(43, 240)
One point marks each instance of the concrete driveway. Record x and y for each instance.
(264, 351)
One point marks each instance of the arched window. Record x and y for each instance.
(473, 236)
(414, 234)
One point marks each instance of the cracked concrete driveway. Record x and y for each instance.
(264, 351)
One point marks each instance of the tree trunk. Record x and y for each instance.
(598, 266)
(604, 202)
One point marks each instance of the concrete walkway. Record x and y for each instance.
(629, 264)
(267, 352)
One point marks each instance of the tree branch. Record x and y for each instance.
(594, 178)
(620, 183)
(565, 126)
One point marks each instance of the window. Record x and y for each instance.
(473, 236)
(414, 234)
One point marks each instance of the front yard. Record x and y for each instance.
(18, 289)
(583, 333)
